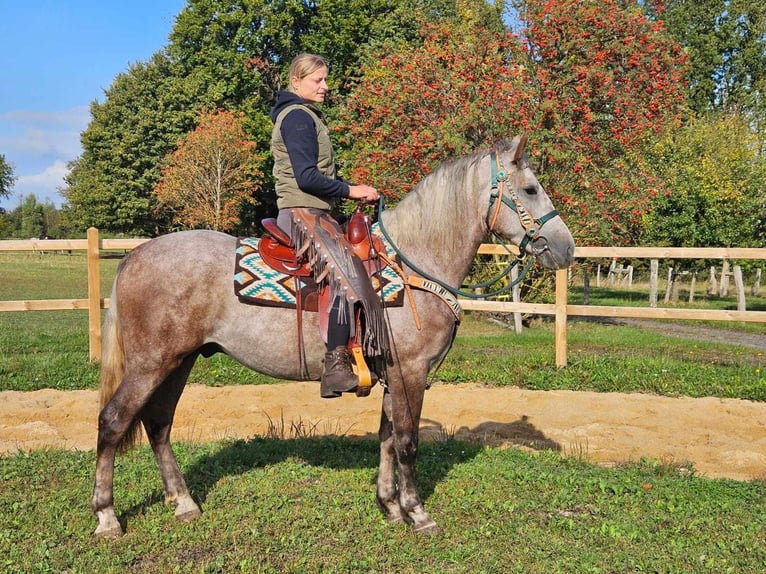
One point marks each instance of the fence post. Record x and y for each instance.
(94, 296)
(739, 284)
(516, 298)
(561, 318)
(654, 271)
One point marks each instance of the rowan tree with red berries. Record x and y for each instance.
(590, 82)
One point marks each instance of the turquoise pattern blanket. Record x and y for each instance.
(257, 283)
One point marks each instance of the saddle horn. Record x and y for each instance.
(520, 149)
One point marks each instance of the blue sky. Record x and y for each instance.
(56, 57)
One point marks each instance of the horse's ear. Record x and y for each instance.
(518, 154)
(520, 149)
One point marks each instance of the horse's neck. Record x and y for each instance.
(438, 244)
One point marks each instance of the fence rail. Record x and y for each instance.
(561, 310)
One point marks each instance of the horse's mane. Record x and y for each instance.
(429, 213)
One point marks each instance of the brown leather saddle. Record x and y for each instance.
(278, 252)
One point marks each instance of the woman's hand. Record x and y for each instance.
(364, 193)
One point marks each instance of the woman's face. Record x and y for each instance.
(313, 87)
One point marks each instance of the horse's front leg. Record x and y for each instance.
(387, 493)
(406, 407)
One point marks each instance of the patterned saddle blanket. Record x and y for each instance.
(257, 283)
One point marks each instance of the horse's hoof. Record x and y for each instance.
(429, 528)
(108, 525)
(189, 515)
(186, 509)
(110, 533)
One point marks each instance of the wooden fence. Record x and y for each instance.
(560, 309)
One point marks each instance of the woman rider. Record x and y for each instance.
(305, 175)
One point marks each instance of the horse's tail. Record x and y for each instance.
(113, 365)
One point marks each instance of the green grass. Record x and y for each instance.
(307, 505)
(604, 358)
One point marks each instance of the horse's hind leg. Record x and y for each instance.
(157, 417)
(114, 423)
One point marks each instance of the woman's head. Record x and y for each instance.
(308, 77)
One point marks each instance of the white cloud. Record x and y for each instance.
(74, 118)
(52, 177)
(43, 185)
(28, 135)
(39, 145)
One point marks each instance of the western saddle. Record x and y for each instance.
(277, 250)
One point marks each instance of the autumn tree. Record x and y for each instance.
(609, 79)
(461, 89)
(212, 174)
(588, 80)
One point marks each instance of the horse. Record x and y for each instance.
(153, 333)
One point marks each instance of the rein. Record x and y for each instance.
(531, 225)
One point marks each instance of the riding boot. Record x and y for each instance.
(338, 377)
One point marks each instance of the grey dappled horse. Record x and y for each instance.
(155, 330)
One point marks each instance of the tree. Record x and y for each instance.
(32, 219)
(414, 108)
(222, 55)
(7, 178)
(726, 43)
(145, 112)
(715, 177)
(590, 81)
(211, 175)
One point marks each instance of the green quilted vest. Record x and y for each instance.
(288, 192)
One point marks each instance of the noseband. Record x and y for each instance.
(512, 200)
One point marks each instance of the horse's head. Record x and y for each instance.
(521, 212)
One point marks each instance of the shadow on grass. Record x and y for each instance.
(439, 451)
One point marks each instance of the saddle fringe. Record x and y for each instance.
(331, 258)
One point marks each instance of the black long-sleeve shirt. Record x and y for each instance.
(299, 135)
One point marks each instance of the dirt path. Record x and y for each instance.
(720, 437)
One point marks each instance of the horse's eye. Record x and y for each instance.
(530, 190)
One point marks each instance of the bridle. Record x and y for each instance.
(511, 199)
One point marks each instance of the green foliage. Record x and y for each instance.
(31, 219)
(7, 179)
(715, 176)
(145, 113)
(726, 43)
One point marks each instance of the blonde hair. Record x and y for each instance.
(304, 65)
